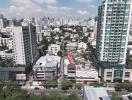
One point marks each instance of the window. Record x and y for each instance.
(127, 74)
(109, 74)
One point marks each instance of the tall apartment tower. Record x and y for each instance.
(114, 17)
(113, 30)
(24, 44)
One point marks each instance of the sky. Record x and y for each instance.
(54, 8)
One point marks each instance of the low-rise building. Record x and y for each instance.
(12, 74)
(71, 72)
(118, 75)
(86, 75)
(6, 55)
(82, 46)
(46, 68)
(53, 49)
(71, 46)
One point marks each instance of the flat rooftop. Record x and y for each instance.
(47, 61)
(98, 93)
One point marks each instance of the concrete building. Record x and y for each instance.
(71, 72)
(46, 68)
(53, 49)
(24, 44)
(114, 18)
(82, 46)
(113, 30)
(6, 55)
(118, 74)
(12, 73)
(85, 74)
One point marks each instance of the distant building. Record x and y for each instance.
(46, 68)
(71, 72)
(82, 46)
(6, 55)
(53, 49)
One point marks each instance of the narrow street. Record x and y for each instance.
(61, 77)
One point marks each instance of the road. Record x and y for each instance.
(61, 78)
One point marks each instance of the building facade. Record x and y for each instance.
(46, 68)
(114, 18)
(113, 30)
(24, 44)
(53, 49)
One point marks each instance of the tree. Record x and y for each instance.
(67, 84)
(78, 85)
(60, 53)
(50, 84)
(115, 97)
(72, 97)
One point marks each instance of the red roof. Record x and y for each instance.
(70, 58)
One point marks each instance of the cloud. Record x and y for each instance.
(21, 8)
(46, 1)
(85, 1)
(59, 8)
(28, 8)
(39, 8)
(80, 12)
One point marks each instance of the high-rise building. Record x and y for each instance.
(114, 17)
(24, 44)
(113, 30)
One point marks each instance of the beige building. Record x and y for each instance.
(114, 75)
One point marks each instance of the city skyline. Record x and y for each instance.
(52, 8)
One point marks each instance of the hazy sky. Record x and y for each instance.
(55, 8)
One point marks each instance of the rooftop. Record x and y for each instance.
(47, 61)
(99, 93)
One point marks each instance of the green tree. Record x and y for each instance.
(50, 84)
(78, 85)
(115, 97)
(34, 97)
(67, 84)
(60, 53)
(72, 97)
